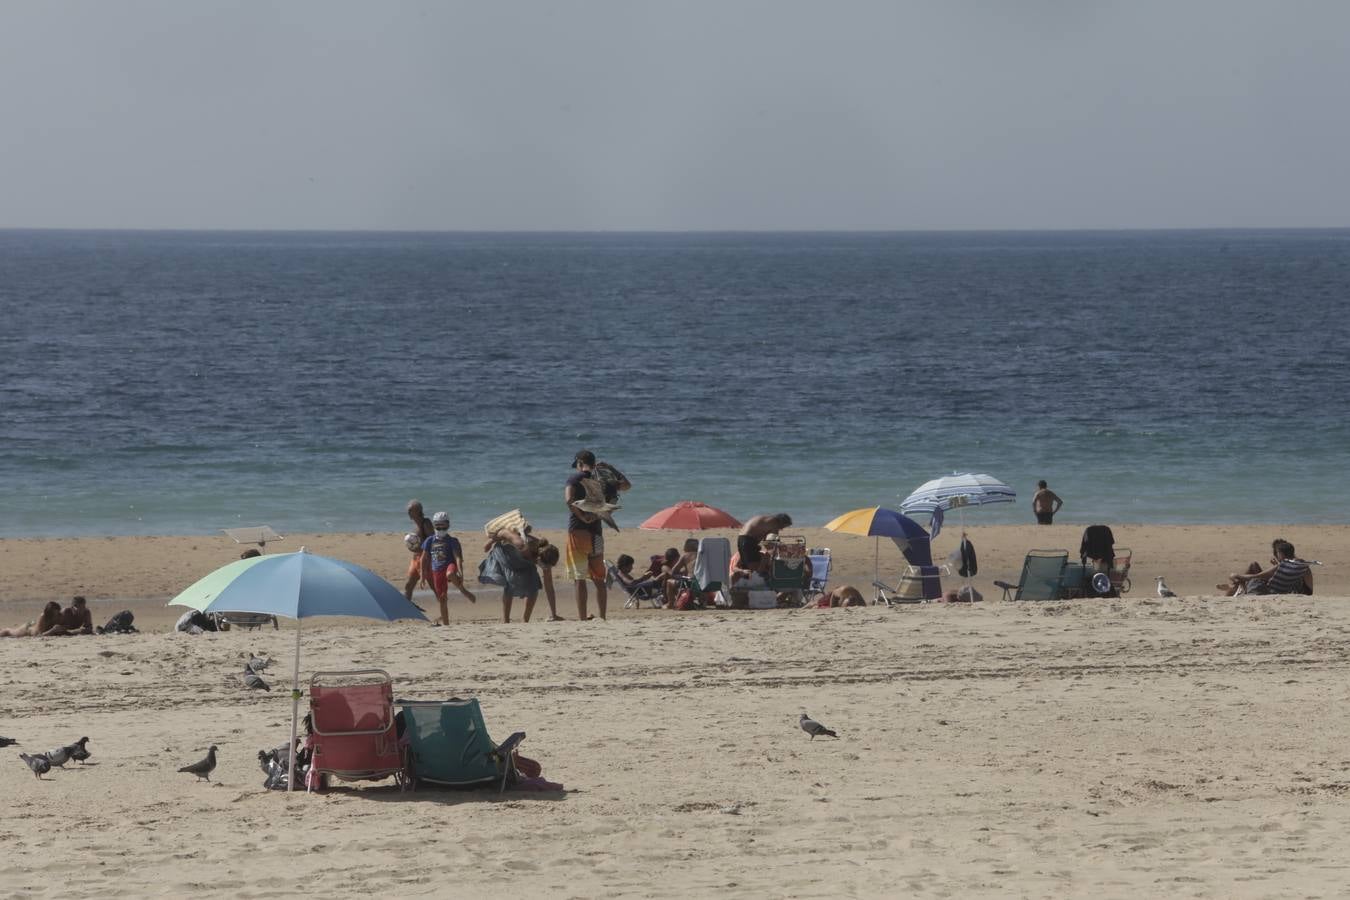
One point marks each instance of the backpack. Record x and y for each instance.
(119, 624)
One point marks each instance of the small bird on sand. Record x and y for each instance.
(77, 751)
(265, 761)
(5, 742)
(258, 663)
(253, 681)
(1163, 589)
(38, 764)
(204, 768)
(58, 757)
(814, 728)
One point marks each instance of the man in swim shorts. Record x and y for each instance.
(1045, 503)
(443, 565)
(585, 540)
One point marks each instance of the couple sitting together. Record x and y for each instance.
(666, 572)
(1287, 575)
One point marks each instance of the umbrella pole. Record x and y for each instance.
(295, 708)
(876, 559)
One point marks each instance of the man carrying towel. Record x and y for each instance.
(585, 540)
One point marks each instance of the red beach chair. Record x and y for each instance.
(354, 736)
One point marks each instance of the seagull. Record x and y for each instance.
(1163, 589)
(58, 757)
(5, 742)
(78, 751)
(204, 768)
(253, 681)
(38, 764)
(814, 728)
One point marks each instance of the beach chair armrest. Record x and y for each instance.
(1006, 587)
(508, 746)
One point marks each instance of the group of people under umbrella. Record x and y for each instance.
(302, 585)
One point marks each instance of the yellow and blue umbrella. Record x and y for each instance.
(879, 522)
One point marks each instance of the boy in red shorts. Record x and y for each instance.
(443, 565)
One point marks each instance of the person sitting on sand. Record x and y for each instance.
(51, 614)
(1287, 575)
(682, 571)
(74, 619)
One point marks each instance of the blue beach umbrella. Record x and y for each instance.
(297, 586)
(957, 491)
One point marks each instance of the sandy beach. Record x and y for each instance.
(1183, 747)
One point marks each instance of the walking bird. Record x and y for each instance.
(814, 728)
(1163, 589)
(204, 768)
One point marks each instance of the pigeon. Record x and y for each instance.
(38, 764)
(253, 681)
(204, 768)
(814, 728)
(5, 742)
(265, 761)
(258, 663)
(58, 757)
(78, 751)
(1163, 589)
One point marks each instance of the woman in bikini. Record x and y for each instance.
(51, 614)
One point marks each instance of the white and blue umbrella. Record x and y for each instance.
(956, 492)
(297, 586)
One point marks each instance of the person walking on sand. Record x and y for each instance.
(1045, 503)
(585, 540)
(423, 530)
(443, 565)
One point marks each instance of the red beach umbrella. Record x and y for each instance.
(690, 515)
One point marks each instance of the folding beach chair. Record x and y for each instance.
(1042, 574)
(787, 574)
(633, 599)
(712, 569)
(353, 735)
(249, 621)
(917, 584)
(448, 745)
(820, 573)
(1120, 571)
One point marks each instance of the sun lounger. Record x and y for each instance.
(353, 736)
(820, 573)
(1042, 574)
(448, 745)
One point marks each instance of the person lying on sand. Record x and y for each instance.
(51, 614)
(844, 595)
(74, 619)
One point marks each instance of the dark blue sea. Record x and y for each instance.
(184, 382)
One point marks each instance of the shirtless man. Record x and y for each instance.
(585, 542)
(74, 619)
(1045, 503)
(750, 557)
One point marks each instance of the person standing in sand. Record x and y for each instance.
(1045, 503)
(423, 531)
(750, 558)
(585, 540)
(443, 565)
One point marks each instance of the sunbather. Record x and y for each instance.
(51, 614)
(74, 619)
(1287, 575)
(623, 574)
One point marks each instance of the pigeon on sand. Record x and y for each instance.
(1163, 589)
(814, 728)
(253, 681)
(204, 768)
(5, 742)
(77, 751)
(38, 764)
(58, 757)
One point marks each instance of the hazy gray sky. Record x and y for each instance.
(674, 114)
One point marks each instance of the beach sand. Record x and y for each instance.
(1125, 747)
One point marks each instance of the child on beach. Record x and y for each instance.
(443, 565)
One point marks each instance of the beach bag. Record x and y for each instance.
(684, 599)
(120, 624)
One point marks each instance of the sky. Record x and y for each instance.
(689, 115)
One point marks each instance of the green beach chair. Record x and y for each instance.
(448, 745)
(1042, 576)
